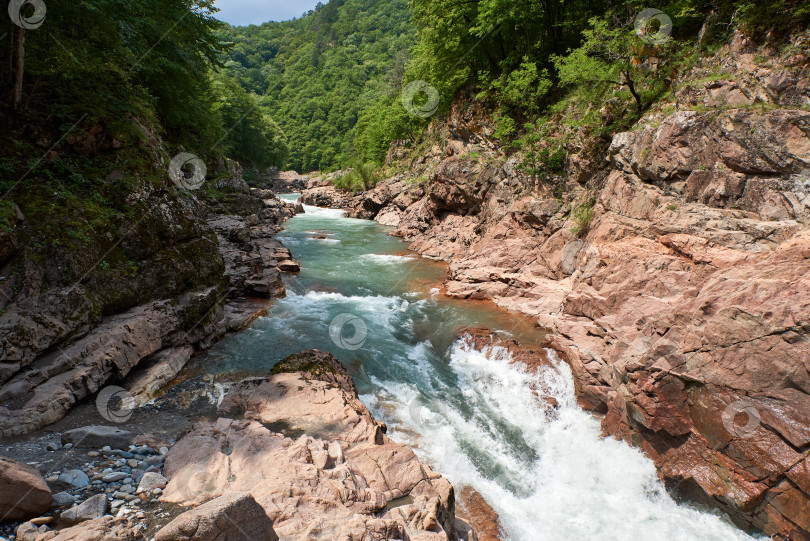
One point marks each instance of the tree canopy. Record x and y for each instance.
(318, 73)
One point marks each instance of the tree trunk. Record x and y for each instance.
(20, 66)
(632, 88)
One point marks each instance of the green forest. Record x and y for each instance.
(334, 79)
(318, 73)
(325, 91)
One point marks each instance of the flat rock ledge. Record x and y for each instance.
(305, 448)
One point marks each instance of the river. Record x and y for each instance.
(474, 418)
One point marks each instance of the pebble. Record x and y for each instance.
(39, 521)
(132, 463)
(106, 449)
(68, 446)
(117, 503)
(61, 499)
(75, 478)
(53, 446)
(93, 453)
(164, 450)
(113, 477)
(155, 460)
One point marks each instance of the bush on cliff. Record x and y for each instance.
(362, 177)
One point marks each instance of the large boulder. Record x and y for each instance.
(93, 507)
(23, 492)
(233, 517)
(100, 529)
(302, 435)
(98, 436)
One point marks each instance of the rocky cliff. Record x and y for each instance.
(139, 275)
(671, 264)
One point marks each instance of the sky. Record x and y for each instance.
(244, 12)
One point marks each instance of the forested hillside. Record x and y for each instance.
(589, 65)
(318, 73)
(335, 79)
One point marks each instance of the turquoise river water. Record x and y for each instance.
(474, 418)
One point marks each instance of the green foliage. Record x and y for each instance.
(252, 137)
(612, 56)
(783, 16)
(522, 88)
(583, 216)
(363, 177)
(114, 61)
(318, 74)
(8, 216)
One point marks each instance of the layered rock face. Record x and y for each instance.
(197, 267)
(307, 450)
(675, 282)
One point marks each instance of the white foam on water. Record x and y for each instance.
(386, 258)
(323, 212)
(563, 481)
(327, 240)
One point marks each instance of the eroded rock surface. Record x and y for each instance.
(308, 451)
(676, 283)
(235, 517)
(205, 267)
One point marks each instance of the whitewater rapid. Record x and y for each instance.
(474, 416)
(564, 481)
